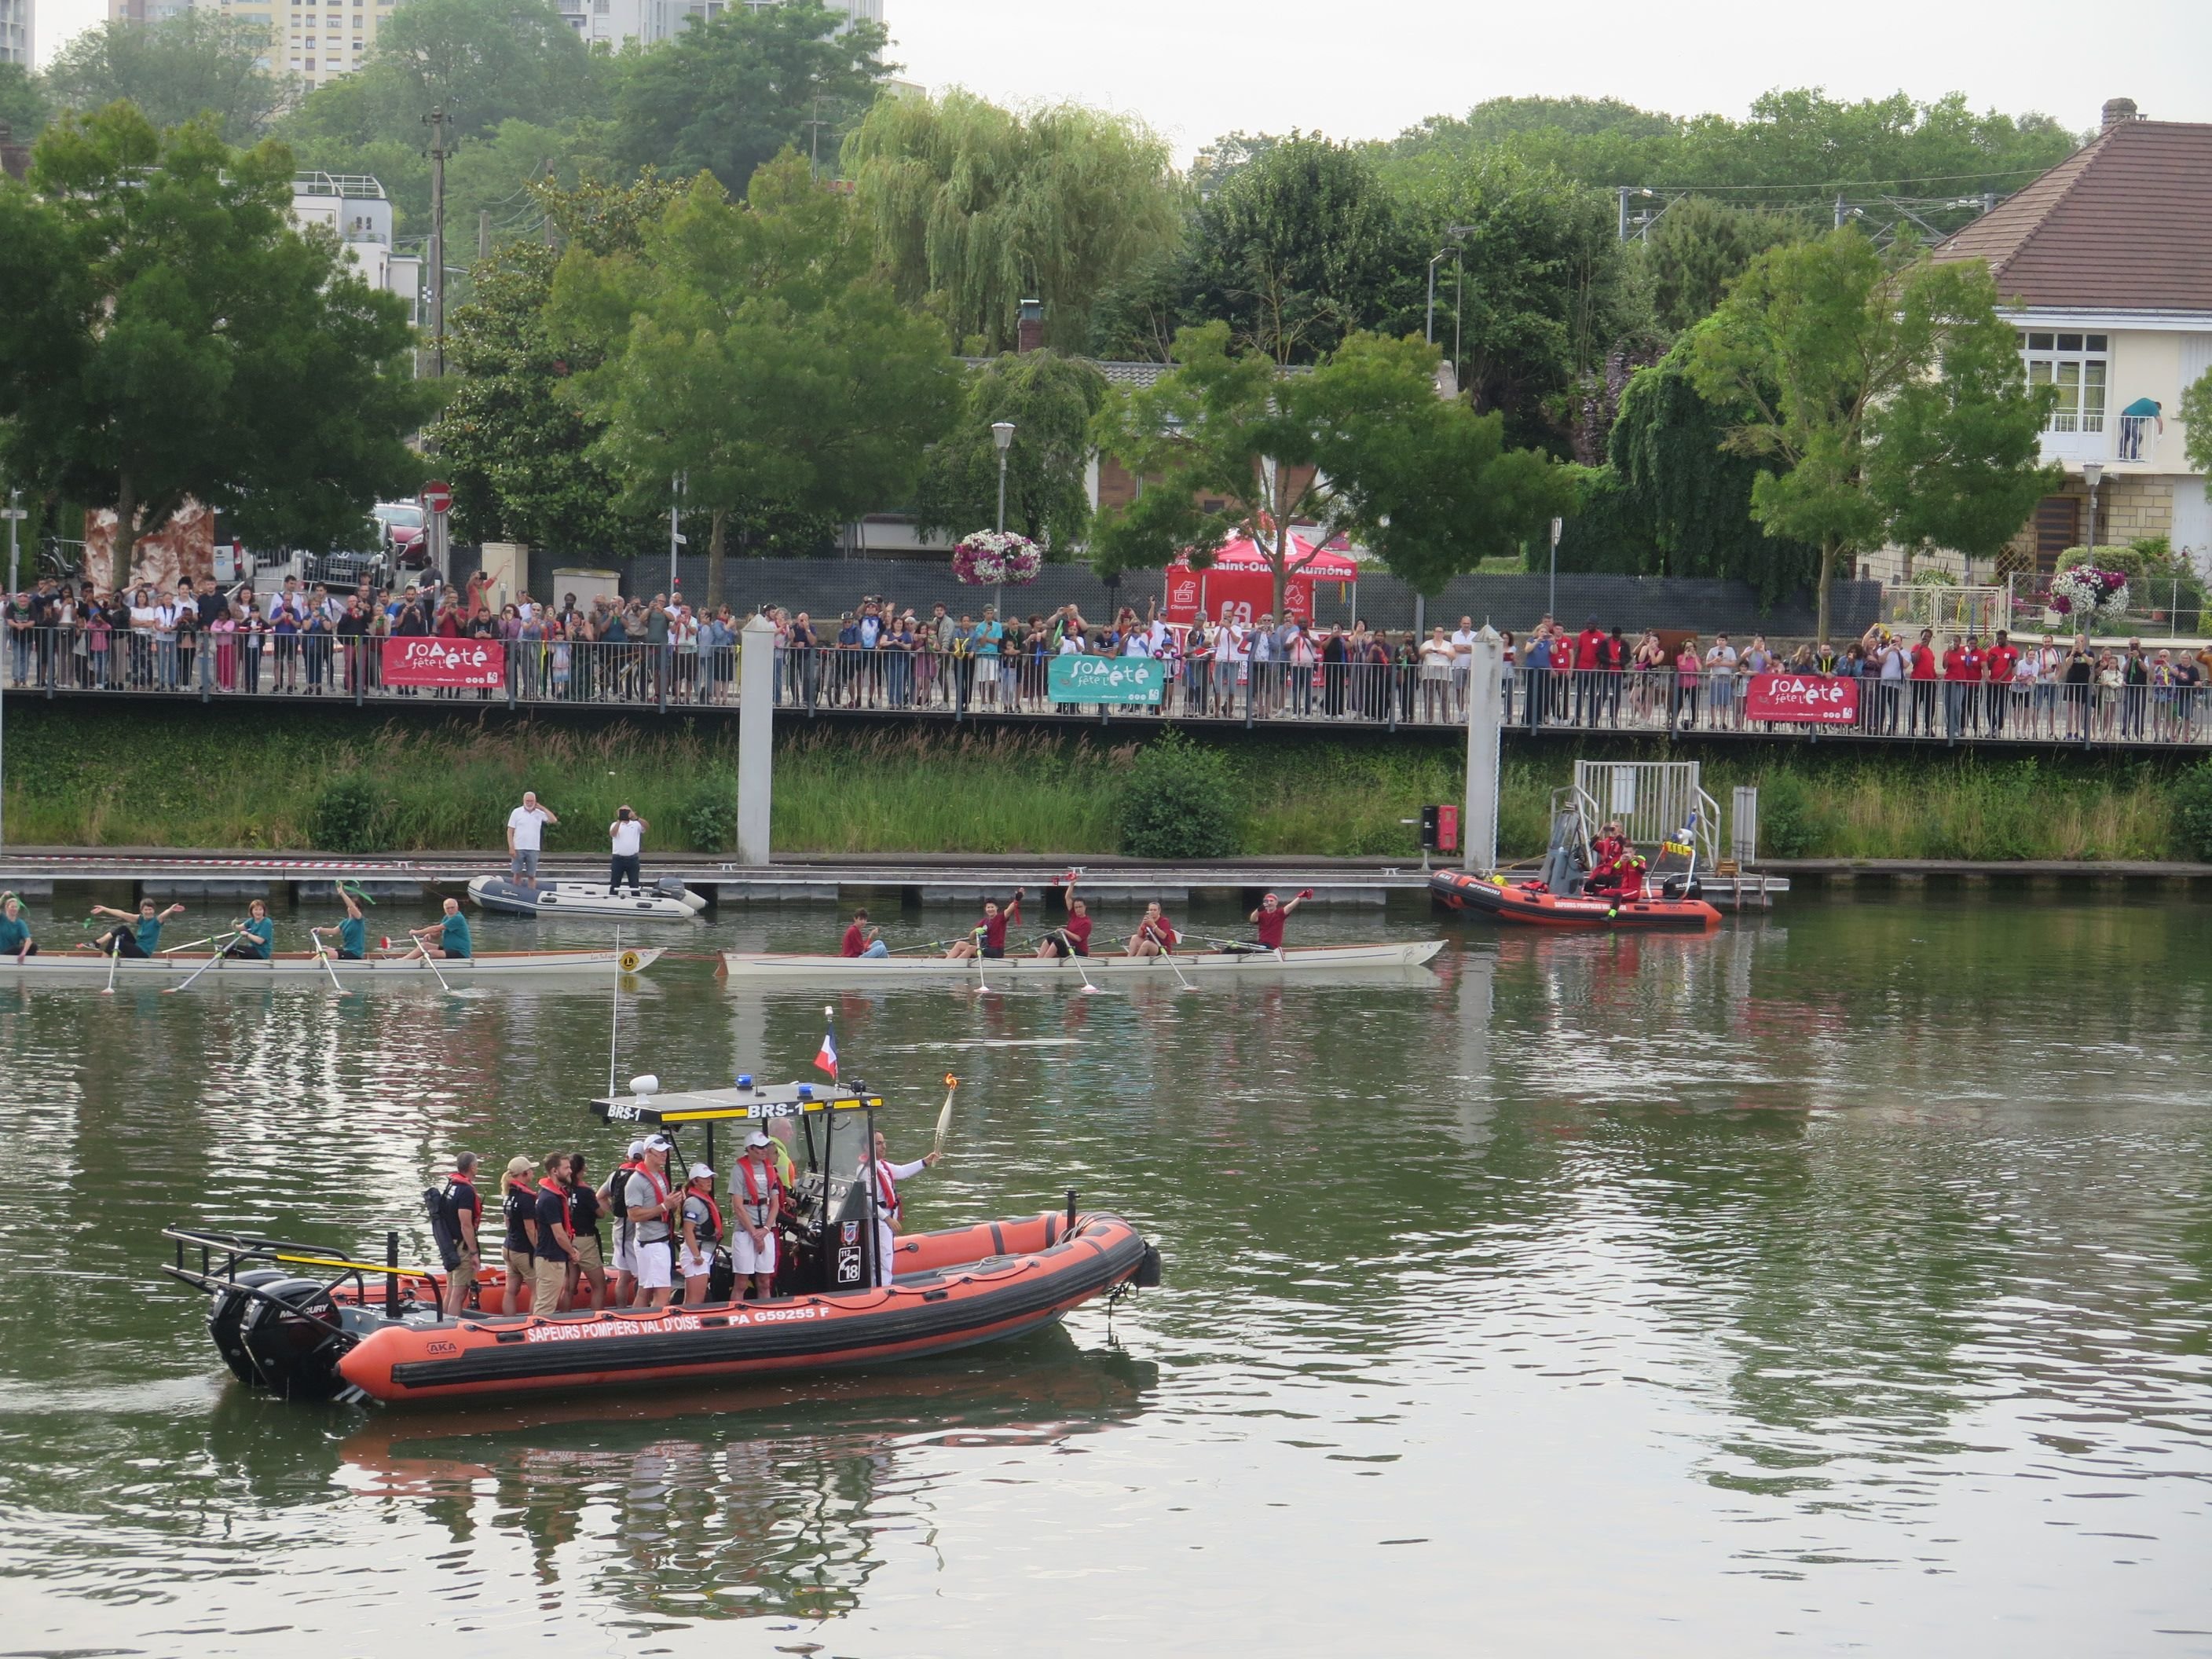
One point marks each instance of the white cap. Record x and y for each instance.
(756, 1139)
(658, 1144)
(637, 1149)
(700, 1172)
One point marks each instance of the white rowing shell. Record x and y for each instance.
(764, 964)
(397, 968)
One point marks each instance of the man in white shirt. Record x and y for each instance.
(525, 834)
(1720, 674)
(884, 1176)
(1462, 666)
(626, 832)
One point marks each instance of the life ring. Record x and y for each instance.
(629, 962)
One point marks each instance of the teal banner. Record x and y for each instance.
(1106, 679)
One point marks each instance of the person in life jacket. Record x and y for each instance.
(650, 1207)
(463, 1211)
(989, 937)
(1628, 871)
(703, 1231)
(755, 1205)
(612, 1201)
(1155, 936)
(553, 1247)
(884, 1176)
(587, 1285)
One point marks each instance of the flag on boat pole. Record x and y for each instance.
(825, 1058)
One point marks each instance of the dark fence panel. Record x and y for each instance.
(824, 587)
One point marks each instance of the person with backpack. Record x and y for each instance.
(456, 1212)
(610, 1197)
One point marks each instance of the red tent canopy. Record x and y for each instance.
(1240, 586)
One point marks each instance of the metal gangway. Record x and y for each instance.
(1659, 805)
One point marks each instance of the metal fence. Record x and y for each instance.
(2124, 700)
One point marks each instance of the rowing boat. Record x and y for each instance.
(395, 969)
(1252, 962)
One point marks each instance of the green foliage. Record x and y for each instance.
(2196, 416)
(2159, 580)
(710, 817)
(753, 347)
(197, 63)
(1787, 825)
(1363, 444)
(1052, 401)
(1674, 502)
(347, 817)
(1698, 248)
(176, 337)
(24, 105)
(1889, 401)
(974, 209)
(727, 94)
(1298, 248)
(1176, 802)
(2192, 811)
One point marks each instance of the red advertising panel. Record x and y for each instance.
(423, 660)
(1448, 829)
(1804, 699)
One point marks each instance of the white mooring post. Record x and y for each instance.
(755, 733)
(1486, 720)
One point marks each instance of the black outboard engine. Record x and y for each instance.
(292, 1337)
(670, 887)
(228, 1315)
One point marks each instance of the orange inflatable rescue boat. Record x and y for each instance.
(375, 1331)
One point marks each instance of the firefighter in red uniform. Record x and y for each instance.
(1607, 850)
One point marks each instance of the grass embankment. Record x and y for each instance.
(263, 777)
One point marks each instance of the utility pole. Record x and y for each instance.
(15, 517)
(1622, 191)
(676, 481)
(435, 120)
(483, 233)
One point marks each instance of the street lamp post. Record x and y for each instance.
(1002, 435)
(2091, 473)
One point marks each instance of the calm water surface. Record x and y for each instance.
(1835, 1283)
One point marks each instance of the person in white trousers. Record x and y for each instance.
(888, 1175)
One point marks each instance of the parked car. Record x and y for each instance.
(400, 524)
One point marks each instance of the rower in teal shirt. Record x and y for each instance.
(353, 932)
(257, 935)
(452, 933)
(14, 935)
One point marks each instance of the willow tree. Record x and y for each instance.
(976, 208)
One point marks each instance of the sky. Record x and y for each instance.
(1368, 69)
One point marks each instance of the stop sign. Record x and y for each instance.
(437, 495)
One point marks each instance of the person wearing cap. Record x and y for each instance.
(702, 1232)
(649, 1204)
(553, 1250)
(756, 1202)
(518, 1207)
(1273, 912)
(1606, 853)
(610, 1197)
(885, 1176)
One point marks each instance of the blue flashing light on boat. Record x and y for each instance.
(745, 1079)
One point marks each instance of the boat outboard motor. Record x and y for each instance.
(671, 887)
(293, 1338)
(228, 1314)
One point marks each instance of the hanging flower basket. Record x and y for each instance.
(992, 557)
(2085, 592)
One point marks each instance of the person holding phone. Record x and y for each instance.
(627, 835)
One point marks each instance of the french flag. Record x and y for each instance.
(825, 1058)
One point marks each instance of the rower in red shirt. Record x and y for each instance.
(1155, 936)
(1072, 937)
(989, 937)
(1269, 918)
(861, 939)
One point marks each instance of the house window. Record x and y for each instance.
(2077, 364)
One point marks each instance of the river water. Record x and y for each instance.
(1835, 1282)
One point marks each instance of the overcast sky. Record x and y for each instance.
(1361, 68)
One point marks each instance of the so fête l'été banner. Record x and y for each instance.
(423, 660)
(1802, 699)
(1105, 679)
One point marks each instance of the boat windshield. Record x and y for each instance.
(836, 1142)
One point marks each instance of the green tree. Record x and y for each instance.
(1673, 501)
(1697, 248)
(727, 95)
(1052, 401)
(2196, 415)
(751, 346)
(23, 103)
(976, 208)
(1298, 248)
(177, 337)
(197, 63)
(518, 453)
(1890, 400)
(1361, 446)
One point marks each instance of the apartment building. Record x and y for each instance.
(16, 33)
(648, 21)
(354, 208)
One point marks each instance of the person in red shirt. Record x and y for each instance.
(861, 939)
(1923, 685)
(1999, 664)
(1589, 659)
(1155, 936)
(1273, 912)
(1962, 672)
(1072, 937)
(989, 937)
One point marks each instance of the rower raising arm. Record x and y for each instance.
(989, 937)
(1273, 912)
